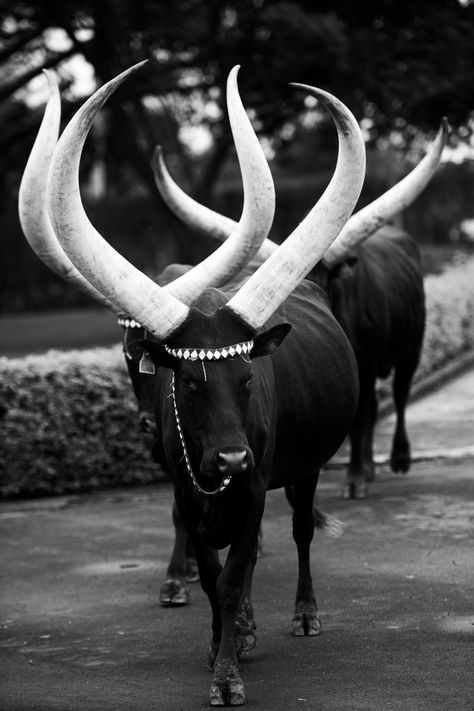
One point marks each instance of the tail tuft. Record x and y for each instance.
(332, 526)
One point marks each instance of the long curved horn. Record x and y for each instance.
(365, 222)
(33, 213)
(257, 214)
(270, 285)
(110, 273)
(206, 221)
(357, 229)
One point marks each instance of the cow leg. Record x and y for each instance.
(361, 465)
(305, 621)
(192, 573)
(400, 457)
(174, 591)
(245, 623)
(227, 687)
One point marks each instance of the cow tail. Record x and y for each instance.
(330, 525)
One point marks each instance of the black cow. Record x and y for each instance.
(182, 567)
(375, 288)
(247, 404)
(379, 301)
(182, 280)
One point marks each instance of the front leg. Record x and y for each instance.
(174, 591)
(245, 623)
(209, 568)
(227, 687)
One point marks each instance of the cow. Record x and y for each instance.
(180, 279)
(260, 382)
(373, 277)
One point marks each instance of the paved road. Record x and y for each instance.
(82, 628)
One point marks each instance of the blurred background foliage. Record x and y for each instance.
(400, 67)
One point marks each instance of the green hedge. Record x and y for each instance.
(68, 423)
(68, 419)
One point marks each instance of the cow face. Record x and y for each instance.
(143, 384)
(213, 389)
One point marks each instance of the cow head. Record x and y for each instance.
(211, 358)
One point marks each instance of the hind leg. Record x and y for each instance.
(305, 621)
(400, 458)
(361, 465)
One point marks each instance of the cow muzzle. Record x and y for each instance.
(146, 423)
(232, 460)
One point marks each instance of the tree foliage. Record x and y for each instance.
(397, 64)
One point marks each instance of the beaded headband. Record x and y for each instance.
(128, 323)
(211, 353)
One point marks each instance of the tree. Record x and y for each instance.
(387, 60)
(398, 66)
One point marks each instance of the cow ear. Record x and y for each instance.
(157, 354)
(267, 342)
(344, 270)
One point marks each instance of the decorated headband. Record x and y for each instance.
(211, 353)
(128, 323)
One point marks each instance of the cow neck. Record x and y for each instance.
(225, 482)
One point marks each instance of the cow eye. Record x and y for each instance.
(187, 382)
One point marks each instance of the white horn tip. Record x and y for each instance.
(51, 79)
(314, 90)
(233, 72)
(158, 153)
(158, 164)
(444, 129)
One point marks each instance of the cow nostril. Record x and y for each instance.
(146, 423)
(236, 460)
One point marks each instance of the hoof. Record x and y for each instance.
(245, 637)
(370, 474)
(351, 490)
(192, 572)
(400, 464)
(306, 624)
(212, 655)
(227, 688)
(174, 593)
(245, 642)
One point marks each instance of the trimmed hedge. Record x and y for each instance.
(449, 317)
(68, 419)
(68, 423)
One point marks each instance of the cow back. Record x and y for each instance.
(381, 305)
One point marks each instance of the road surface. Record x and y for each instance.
(82, 629)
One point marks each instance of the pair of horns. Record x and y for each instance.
(245, 236)
(357, 229)
(158, 309)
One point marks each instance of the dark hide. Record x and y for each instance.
(379, 301)
(147, 388)
(291, 419)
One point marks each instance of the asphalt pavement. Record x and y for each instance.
(82, 628)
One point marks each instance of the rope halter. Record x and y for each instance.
(225, 482)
